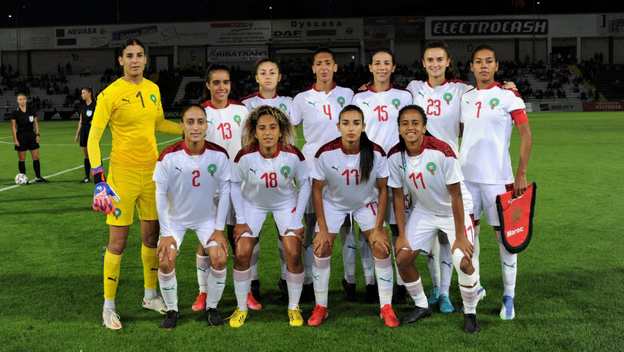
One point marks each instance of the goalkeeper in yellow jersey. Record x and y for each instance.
(132, 108)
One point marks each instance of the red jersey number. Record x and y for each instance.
(226, 130)
(356, 175)
(195, 177)
(433, 107)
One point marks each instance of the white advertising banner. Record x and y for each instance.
(237, 53)
(318, 30)
(242, 32)
(82, 37)
(29, 38)
(163, 34)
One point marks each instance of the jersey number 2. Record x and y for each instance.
(195, 177)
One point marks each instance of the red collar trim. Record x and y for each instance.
(209, 104)
(441, 84)
(495, 84)
(189, 153)
(262, 97)
(314, 86)
(370, 87)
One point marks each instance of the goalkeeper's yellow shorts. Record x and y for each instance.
(134, 187)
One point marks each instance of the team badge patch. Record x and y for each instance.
(448, 97)
(31, 118)
(153, 99)
(494, 103)
(89, 113)
(237, 119)
(283, 107)
(431, 167)
(341, 101)
(396, 103)
(516, 218)
(212, 168)
(285, 171)
(117, 213)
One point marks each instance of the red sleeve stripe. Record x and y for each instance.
(519, 116)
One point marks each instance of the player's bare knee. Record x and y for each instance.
(403, 261)
(166, 266)
(466, 266)
(218, 262)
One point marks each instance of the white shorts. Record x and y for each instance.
(484, 199)
(203, 230)
(423, 226)
(366, 216)
(255, 217)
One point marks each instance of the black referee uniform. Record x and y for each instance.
(27, 138)
(86, 116)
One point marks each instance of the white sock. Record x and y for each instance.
(367, 259)
(282, 255)
(109, 304)
(509, 266)
(349, 253)
(169, 289)
(295, 285)
(216, 285)
(399, 279)
(470, 298)
(253, 264)
(242, 283)
(321, 272)
(446, 268)
(203, 264)
(150, 293)
(433, 261)
(383, 270)
(477, 251)
(416, 291)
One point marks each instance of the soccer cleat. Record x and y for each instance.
(417, 314)
(237, 319)
(42, 180)
(213, 317)
(470, 324)
(252, 303)
(481, 293)
(255, 289)
(156, 303)
(318, 314)
(350, 293)
(372, 294)
(111, 319)
(294, 315)
(307, 293)
(387, 314)
(200, 302)
(171, 320)
(508, 312)
(434, 296)
(399, 295)
(445, 304)
(283, 290)
(85, 180)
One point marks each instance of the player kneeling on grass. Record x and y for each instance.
(430, 170)
(187, 173)
(269, 165)
(347, 173)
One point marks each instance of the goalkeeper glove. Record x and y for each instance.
(104, 194)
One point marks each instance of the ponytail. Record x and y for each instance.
(367, 157)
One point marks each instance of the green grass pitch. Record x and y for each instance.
(569, 290)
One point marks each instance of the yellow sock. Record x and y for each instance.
(112, 265)
(150, 267)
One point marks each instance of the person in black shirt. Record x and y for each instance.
(26, 135)
(84, 126)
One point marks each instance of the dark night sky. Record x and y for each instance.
(49, 13)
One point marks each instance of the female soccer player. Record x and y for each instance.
(131, 106)
(226, 119)
(350, 175)
(380, 103)
(269, 164)
(430, 170)
(187, 173)
(26, 136)
(489, 113)
(268, 76)
(84, 126)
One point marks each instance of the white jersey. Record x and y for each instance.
(190, 182)
(341, 173)
(254, 100)
(225, 125)
(381, 110)
(442, 105)
(270, 183)
(488, 123)
(319, 114)
(427, 174)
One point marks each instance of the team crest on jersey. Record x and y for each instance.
(431, 167)
(396, 103)
(31, 118)
(341, 101)
(448, 97)
(89, 113)
(494, 103)
(283, 107)
(237, 119)
(117, 213)
(212, 168)
(153, 99)
(285, 171)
